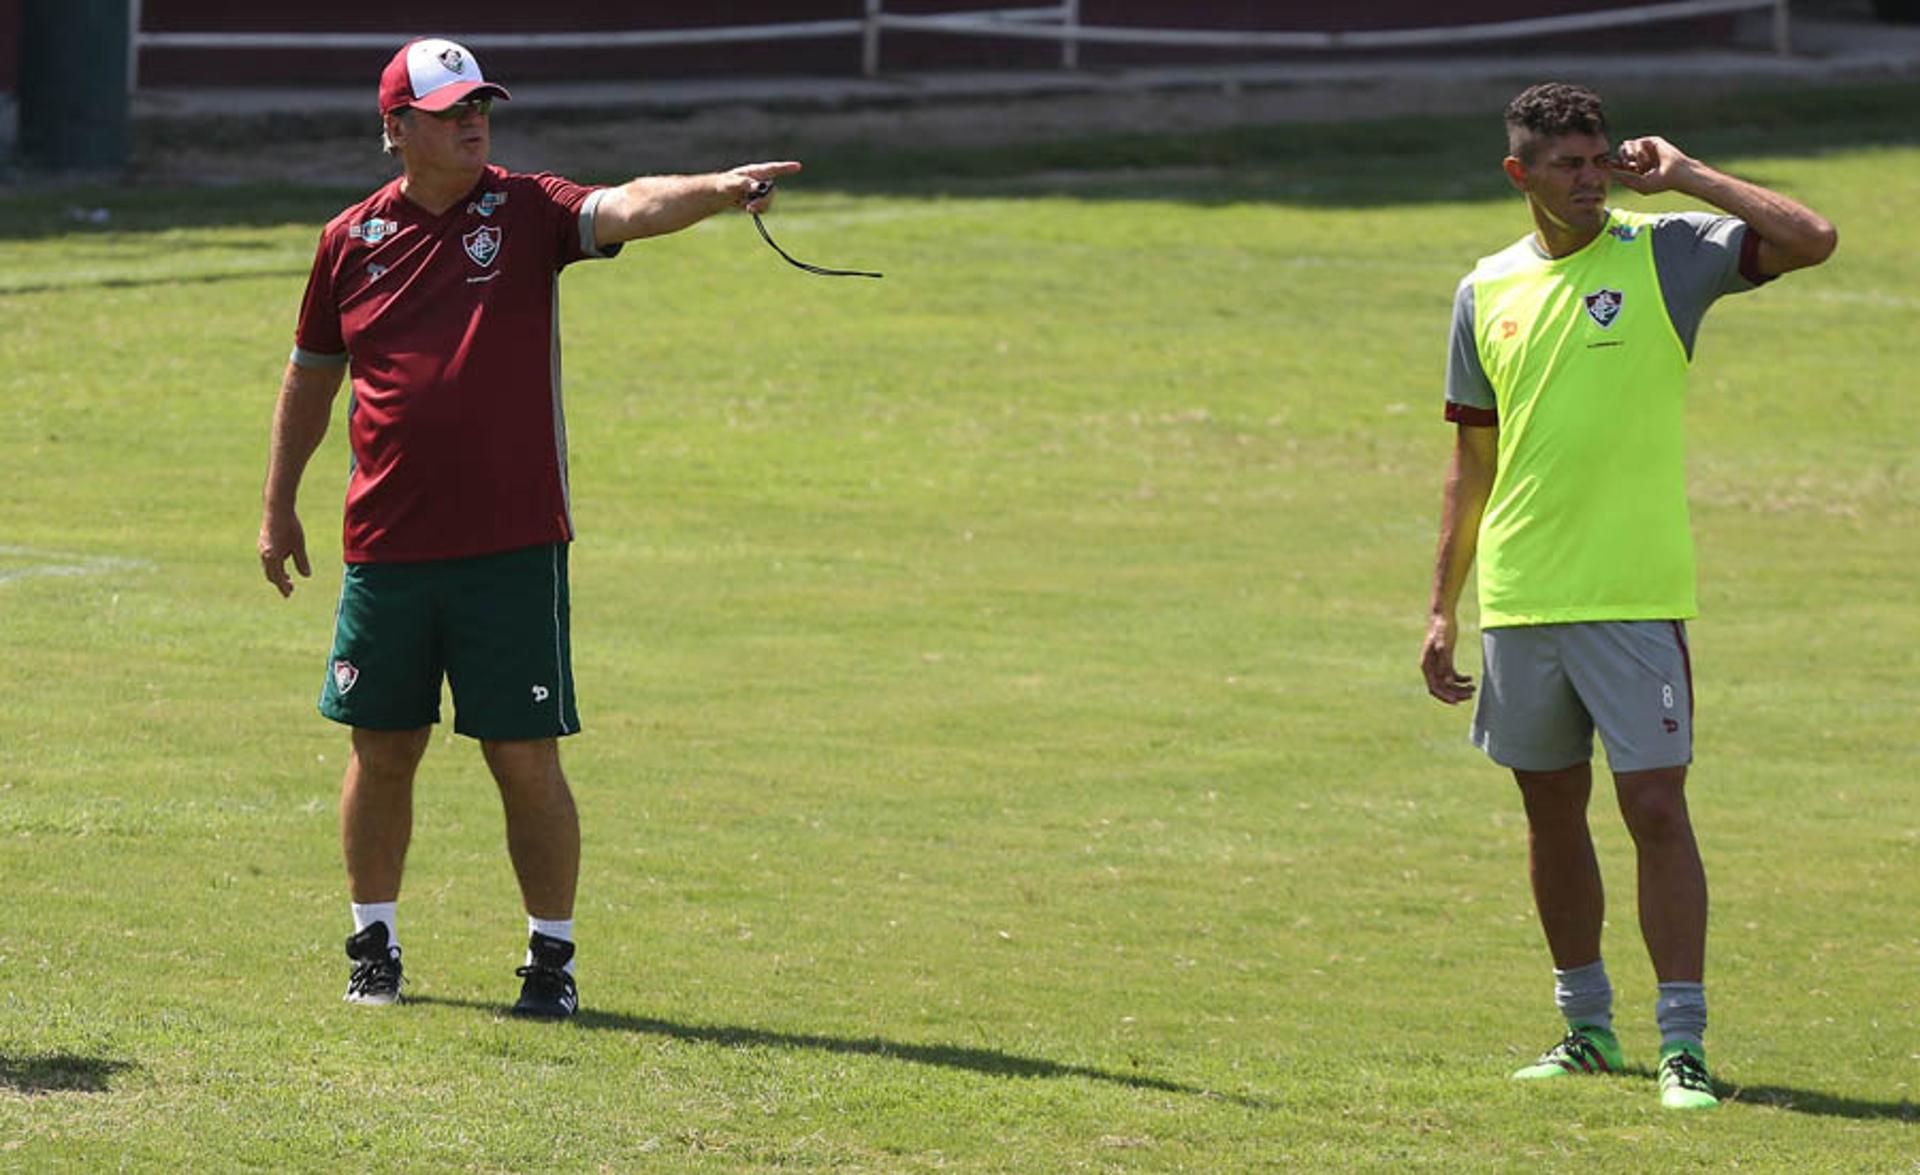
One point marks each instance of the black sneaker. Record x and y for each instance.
(376, 968)
(548, 992)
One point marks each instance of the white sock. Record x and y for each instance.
(561, 929)
(365, 914)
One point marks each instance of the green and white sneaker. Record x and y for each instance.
(1684, 1081)
(1585, 1049)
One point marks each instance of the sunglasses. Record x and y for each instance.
(479, 106)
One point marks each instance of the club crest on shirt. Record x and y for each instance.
(1603, 305)
(487, 202)
(344, 675)
(483, 245)
(373, 231)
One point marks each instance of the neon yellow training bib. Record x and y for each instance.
(1587, 519)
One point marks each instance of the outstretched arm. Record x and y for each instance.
(654, 205)
(1469, 483)
(299, 424)
(1792, 236)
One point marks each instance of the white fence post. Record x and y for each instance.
(870, 41)
(133, 45)
(1060, 21)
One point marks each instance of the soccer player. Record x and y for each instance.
(1566, 380)
(439, 293)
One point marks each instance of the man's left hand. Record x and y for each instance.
(1652, 165)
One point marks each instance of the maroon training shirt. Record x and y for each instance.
(451, 326)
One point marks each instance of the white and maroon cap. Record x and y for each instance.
(433, 74)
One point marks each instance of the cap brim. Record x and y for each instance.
(448, 95)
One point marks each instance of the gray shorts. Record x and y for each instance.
(1547, 687)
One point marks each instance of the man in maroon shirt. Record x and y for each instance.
(439, 293)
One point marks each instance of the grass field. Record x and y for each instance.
(1004, 745)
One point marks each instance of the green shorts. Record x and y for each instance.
(495, 626)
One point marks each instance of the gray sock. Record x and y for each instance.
(1584, 995)
(1682, 1014)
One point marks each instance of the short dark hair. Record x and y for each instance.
(1548, 110)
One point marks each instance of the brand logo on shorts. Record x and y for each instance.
(483, 244)
(539, 693)
(345, 673)
(1671, 726)
(1603, 306)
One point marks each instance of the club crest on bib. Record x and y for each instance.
(1603, 306)
(482, 244)
(344, 675)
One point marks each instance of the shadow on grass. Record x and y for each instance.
(1824, 1105)
(991, 1062)
(36, 213)
(58, 1073)
(1801, 1101)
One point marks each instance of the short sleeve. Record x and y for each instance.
(317, 340)
(572, 206)
(1701, 257)
(1470, 397)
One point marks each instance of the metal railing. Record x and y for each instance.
(1057, 22)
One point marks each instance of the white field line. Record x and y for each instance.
(61, 563)
(1866, 298)
(780, 216)
(159, 273)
